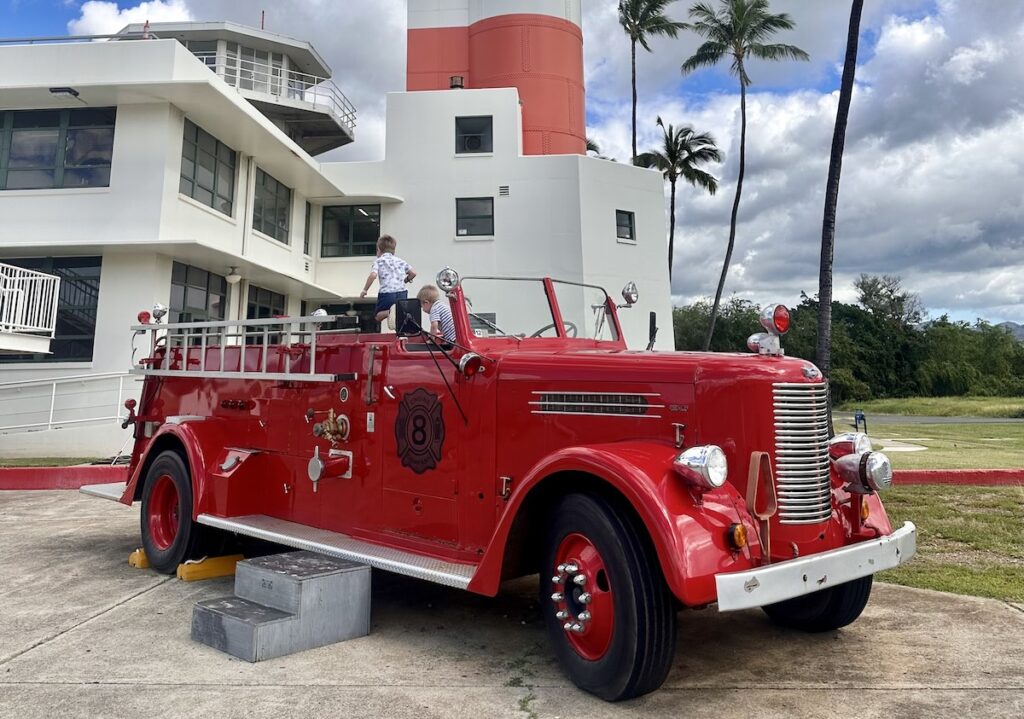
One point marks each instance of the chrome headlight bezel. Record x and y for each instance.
(704, 467)
(865, 473)
(849, 443)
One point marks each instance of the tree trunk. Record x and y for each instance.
(735, 211)
(633, 54)
(828, 223)
(671, 229)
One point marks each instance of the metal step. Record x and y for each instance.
(322, 541)
(114, 490)
(286, 603)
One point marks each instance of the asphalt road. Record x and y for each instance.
(84, 635)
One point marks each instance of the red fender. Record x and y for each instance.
(689, 537)
(188, 434)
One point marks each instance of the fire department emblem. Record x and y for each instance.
(419, 430)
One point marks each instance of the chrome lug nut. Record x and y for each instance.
(586, 598)
(557, 579)
(576, 628)
(584, 616)
(557, 597)
(567, 626)
(571, 567)
(560, 569)
(562, 614)
(579, 579)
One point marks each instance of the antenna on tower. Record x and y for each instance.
(263, 18)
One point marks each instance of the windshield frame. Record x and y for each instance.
(458, 301)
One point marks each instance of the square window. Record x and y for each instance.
(625, 225)
(474, 134)
(474, 216)
(207, 169)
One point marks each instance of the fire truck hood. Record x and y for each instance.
(638, 366)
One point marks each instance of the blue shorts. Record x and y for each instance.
(386, 300)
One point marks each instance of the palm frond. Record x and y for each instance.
(708, 54)
(777, 51)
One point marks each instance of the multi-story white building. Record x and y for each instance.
(176, 164)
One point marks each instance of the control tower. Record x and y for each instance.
(535, 46)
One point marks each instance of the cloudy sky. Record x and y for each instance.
(933, 176)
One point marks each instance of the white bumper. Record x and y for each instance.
(797, 577)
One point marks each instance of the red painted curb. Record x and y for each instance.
(60, 477)
(975, 477)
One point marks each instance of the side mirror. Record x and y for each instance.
(630, 293)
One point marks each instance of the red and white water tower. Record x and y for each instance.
(535, 46)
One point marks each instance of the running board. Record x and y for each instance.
(113, 491)
(300, 536)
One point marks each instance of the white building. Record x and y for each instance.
(175, 165)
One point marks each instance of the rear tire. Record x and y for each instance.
(624, 638)
(169, 536)
(824, 610)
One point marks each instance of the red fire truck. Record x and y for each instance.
(636, 483)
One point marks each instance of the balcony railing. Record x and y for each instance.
(279, 84)
(28, 301)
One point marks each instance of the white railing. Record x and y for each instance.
(40, 404)
(288, 85)
(28, 301)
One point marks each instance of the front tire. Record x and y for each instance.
(607, 609)
(169, 536)
(824, 610)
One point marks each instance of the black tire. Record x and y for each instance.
(169, 536)
(825, 610)
(642, 641)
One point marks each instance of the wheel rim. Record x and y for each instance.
(162, 517)
(582, 597)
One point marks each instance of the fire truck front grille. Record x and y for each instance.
(595, 403)
(801, 452)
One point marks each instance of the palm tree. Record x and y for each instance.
(642, 19)
(828, 224)
(681, 153)
(737, 30)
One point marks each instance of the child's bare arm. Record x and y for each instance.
(435, 327)
(410, 275)
(369, 281)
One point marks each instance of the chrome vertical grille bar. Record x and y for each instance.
(801, 452)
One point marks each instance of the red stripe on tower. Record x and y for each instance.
(535, 46)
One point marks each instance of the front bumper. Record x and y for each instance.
(794, 578)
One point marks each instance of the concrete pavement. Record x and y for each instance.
(84, 635)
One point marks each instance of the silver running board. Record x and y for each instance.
(112, 491)
(300, 536)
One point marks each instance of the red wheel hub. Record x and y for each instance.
(162, 516)
(583, 597)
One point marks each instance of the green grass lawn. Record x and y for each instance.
(954, 446)
(942, 406)
(968, 541)
(45, 461)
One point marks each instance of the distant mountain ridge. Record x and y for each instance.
(1014, 328)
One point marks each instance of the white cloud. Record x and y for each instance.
(968, 64)
(104, 18)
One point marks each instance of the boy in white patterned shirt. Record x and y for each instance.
(392, 272)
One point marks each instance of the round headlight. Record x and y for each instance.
(705, 466)
(876, 471)
(849, 443)
(447, 279)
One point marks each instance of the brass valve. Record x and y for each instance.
(335, 428)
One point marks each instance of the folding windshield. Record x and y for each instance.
(520, 308)
(585, 311)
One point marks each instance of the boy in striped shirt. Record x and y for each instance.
(441, 322)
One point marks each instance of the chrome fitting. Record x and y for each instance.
(558, 579)
(571, 567)
(579, 580)
(567, 626)
(562, 615)
(576, 628)
(557, 597)
(584, 616)
(586, 598)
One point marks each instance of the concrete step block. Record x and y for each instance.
(286, 603)
(241, 628)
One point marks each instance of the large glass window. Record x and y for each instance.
(45, 149)
(474, 134)
(78, 297)
(207, 169)
(308, 230)
(264, 304)
(350, 231)
(272, 206)
(625, 225)
(196, 295)
(474, 216)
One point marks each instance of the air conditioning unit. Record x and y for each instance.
(474, 143)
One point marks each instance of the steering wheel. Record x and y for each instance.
(570, 329)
